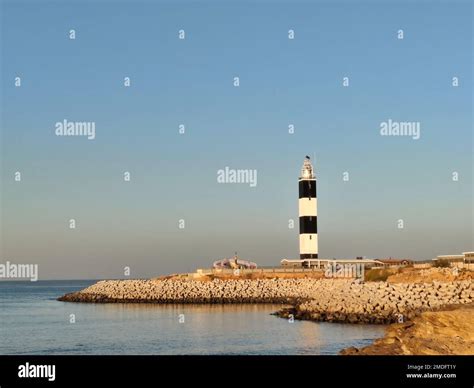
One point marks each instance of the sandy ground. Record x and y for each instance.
(414, 275)
(446, 332)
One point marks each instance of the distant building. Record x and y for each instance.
(466, 257)
(321, 263)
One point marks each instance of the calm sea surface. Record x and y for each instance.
(33, 322)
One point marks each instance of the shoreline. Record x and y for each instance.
(328, 300)
(447, 331)
(427, 309)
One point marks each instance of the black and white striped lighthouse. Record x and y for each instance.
(308, 205)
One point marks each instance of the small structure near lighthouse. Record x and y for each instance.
(308, 212)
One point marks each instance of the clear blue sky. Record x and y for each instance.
(282, 82)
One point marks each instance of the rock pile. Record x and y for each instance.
(381, 302)
(333, 300)
(442, 332)
(216, 291)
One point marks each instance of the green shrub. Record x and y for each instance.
(377, 275)
(443, 263)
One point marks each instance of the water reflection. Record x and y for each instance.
(33, 322)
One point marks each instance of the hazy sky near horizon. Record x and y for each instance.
(282, 81)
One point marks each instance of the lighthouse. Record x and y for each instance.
(308, 213)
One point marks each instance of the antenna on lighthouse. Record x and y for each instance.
(307, 169)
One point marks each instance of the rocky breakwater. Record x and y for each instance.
(378, 302)
(194, 291)
(332, 300)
